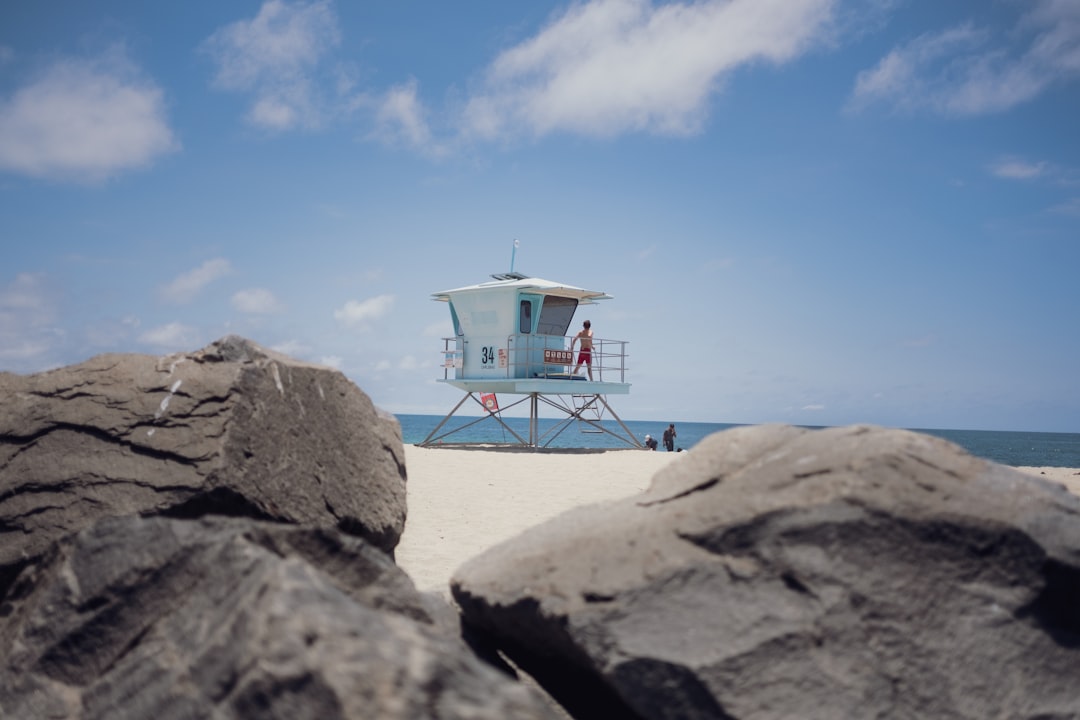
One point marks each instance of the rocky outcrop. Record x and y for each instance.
(777, 572)
(232, 618)
(232, 429)
(211, 534)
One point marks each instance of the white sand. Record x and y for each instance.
(463, 501)
(1069, 477)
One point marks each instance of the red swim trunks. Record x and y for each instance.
(585, 356)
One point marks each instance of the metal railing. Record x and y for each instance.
(540, 356)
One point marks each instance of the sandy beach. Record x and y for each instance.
(463, 501)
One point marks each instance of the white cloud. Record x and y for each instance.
(401, 118)
(332, 361)
(25, 293)
(84, 120)
(647, 253)
(186, 286)
(110, 332)
(1069, 207)
(1014, 169)
(967, 70)
(357, 312)
(275, 57)
(17, 349)
(292, 348)
(407, 362)
(813, 408)
(27, 316)
(256, 301)
(173, 336)
(440, 329)
(612, 66)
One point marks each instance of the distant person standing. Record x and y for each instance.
(669, 438)
(585, 355)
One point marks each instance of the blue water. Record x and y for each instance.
(1038, 449)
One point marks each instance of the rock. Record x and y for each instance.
(231, 429)
(777, 572)
(232, 618)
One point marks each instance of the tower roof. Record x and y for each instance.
(520, 282)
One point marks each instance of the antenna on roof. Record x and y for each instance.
(511, 275)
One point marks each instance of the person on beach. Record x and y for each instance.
(669, 438)
(585, 354)
(650, 442)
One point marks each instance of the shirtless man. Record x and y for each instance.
(585, 355)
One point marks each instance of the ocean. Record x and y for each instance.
(1037, 449)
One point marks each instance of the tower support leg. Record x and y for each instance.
(535, 439)
(434, 437)
(534, 421)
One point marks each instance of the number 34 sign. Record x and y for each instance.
(488, 356)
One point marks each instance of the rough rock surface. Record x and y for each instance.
(232, 429)
(778, 572)
(233, 618)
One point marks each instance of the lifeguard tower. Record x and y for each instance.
(511, 338)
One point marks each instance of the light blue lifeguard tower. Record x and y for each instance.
(511, 338)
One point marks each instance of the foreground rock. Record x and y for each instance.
(778, 573)
(231, 429)
(228, 618)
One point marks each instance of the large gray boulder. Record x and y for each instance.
(232, 429)
(777, 572)
(232, 618)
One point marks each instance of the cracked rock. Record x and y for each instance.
(778, 572)
(229, 618)
(232, 429)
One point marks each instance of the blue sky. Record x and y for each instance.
(808, 211)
